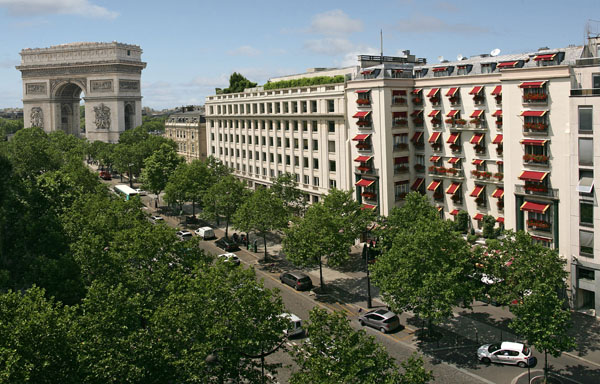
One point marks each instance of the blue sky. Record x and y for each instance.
(191, 47)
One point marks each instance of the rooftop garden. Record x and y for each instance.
(304, 82)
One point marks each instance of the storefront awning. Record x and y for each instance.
(453, 138)
(434, 159)
(498, 193)
(530, 206)
(434, 137)
(477, 113)
(478, 216)
(417, 183)
(533, 113)
(434, 113)
(433, 92)
(476, 89)
(533, 142)
(361, 137)
(476, 139)
(546, 57)
(532, 84)
(452, 113)
(498, 139)
(452, 91)
(498, 113)
(364, 183)
(361, 114)
(477, 191)
(433, 185)
(497, 90)
(533, 176)
(454, 160)
(363, 159)
(451, 190)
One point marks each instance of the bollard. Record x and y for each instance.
(476, 337)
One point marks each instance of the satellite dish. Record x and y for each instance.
(440, 58)
(495, 52)
(459, 57)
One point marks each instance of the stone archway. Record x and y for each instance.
(108, 74)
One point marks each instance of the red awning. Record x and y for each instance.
(454, 160)
(368, 206)
(435, 159)
(361, 137)
(417, 183)
(439, 69)
(533, 113)
(533, 176)
(453, 188)
(477, 113)
(498, 193)
(477, 162)
(364, 183)
(453, 138)
(477, 191)
(532, 84)
(498, 139)
(399, 114)
(363, 159)
(533, 142)
(399, 92)
(478, 216)
(476, 139)
(401, 160)
(530, 206)
(416, 91)
(416, 112)
(362, 90)
(417, 136)
(433, 92)
(434, 113)
(434, 137)
(452, 113)
(497, 90)
(508, 64)
(366, 72)
(499, 162)
(433, 185)
(476, 89)
(500, 220)
(452, 91)
(454, 212)
(545, 57)
(439, 208)
(361, 114)
(498, 113)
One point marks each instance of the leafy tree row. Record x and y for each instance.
(304, 82)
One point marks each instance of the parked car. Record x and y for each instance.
(229, 258)
(184, 235)
(506, 353)
(105, 175)
(205, 233)
(298, 280)
(156, 219)
(227, 244)
(382, 319)
(141, 192)
(296, 325)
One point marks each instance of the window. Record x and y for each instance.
(330, 105)
(295, 125)
(250, 155)
(332, 184)
(212, 149)
(313, 106)
(243, 153)
(332, 165)
(316, 181)
(249, 139)
(585, 119)
(271, 157)
(256, 155)
(271, 141)
(486, 68)
(331, 126)
(586, 152)
(295, 143)
(279, 158)
(287, 160)
(243, 139)
(584, 273)
(305, 162)
(264, 171)
(596, 78)
(462, 70)
(315, 126)
(305, 144)
(331, 146)
(315, 145)
(279, 142)
(316, 163)
(586, 213)
(304, 107)
(586, 243)
(263, 140)
(306, 179)
(296, 161)
(287, 142)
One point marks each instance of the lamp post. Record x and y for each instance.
(366, 252)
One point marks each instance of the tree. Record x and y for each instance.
(224, 198)
(462, 221)
(543, 320)
(327, 230)
(201, 178)
(125, 157)
(179, 186)
(489, 232)
(31, 153)
(336, 353)
(262, 213)
(414, 371)
(237, 83)
(158, 167)
(426, 270)
(286, 188)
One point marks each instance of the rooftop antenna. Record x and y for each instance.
(440, 58)
(381, 42)
(495, 52)
(459, 57)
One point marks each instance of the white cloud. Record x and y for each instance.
(334, 22)
(329, 46)
(422, 24)
(56, 7)
(350, 58)
(244, 50)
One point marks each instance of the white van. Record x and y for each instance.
(296, 325)
(205, 233)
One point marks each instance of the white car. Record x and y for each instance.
(229, 258)
(184, 235)
(506, 353)
(141, 192)
(296, 325)
(156, 219)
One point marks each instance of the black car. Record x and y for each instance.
(297, 280)
(227, 244)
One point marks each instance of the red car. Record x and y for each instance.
(105, 175)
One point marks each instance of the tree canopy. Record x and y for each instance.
(237, 83)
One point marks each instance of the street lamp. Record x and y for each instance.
(366, 252)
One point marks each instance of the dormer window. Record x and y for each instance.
(464, 69)
(488, 67)
(442, 71)
(547, 59)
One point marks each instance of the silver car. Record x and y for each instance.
(506, 353)
(382, 319)
(229, 258)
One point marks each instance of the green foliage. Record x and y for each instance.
(462, 221)
(262, 213)
(224, 198)
(336, 353)
(305, 82)
(285, 187)
(8, 127)
(427, 268)
(179, 186)
(32, 153)
(158, 167)
(414, 371)
(489, 232)
(472, 238)
(237, 83)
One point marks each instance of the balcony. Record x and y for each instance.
(438, 195)
(535, 98)
(437, 123)
(454, 101)
(399, 101)
(456, 123)
(500, 150)
(479, 99)
(480, 149)
(400, 169)
(535, 128)
(457, 199)
(498, 99)
(481, 175)
(434, 100)
(478, 123)
(419, 145)
(585, 92)
(369, 195)
(363, 102)
(499, 124)
(535, 159)
(419, 168)
(436, 146)
(418, 122)
(366, 170)
(498, 176)
(539, 225)
(536, 191)
(500, 204)
(400, 123)
(452, 173)
(456, 148)
(417, 101)
(400, 147)
(400, 196)
(481, 202)
(363, 146)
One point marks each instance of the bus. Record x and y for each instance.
(125, 191)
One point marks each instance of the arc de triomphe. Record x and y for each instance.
(108, 74)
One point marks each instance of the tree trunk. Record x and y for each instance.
(321, 274)
(265, 245)
(227, 227)
(545, 366)
(194, 208)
